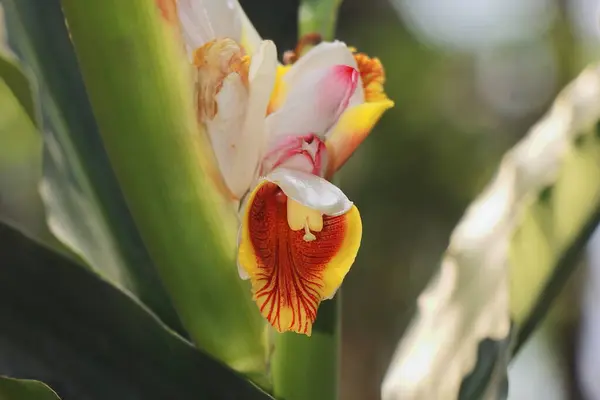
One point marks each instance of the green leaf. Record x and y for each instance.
(140, 87)
(63, 325)
(21, 389)
(509, 256)
(85, 207)
(20, 168)
(18, 84)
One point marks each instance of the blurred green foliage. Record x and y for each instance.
(412, 179)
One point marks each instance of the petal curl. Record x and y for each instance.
(352, 128)
(290, 275)
(236, 131)
(315, 103)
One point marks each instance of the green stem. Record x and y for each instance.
(306, 368)
(318, 16)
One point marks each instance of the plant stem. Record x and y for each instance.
(318, 16)
(307, 367)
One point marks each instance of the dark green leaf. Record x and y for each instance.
(20, 389)
(20, 167)
(63, 325)
(18, 84)
(85, 207)
(489, 376)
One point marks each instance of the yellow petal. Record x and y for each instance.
(292, 273)
(352, 128)
(279, 90)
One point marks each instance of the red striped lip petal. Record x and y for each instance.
(289, 283)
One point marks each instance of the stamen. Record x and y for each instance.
(308, 235)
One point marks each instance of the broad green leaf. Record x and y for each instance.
(20, 167)
(84, 204)
(64, 325)
(140, 88)
(18, 84)
(24, 389)
(508, 257)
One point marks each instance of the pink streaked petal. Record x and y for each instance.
(300, 153)
(315, 103)
(324, 55)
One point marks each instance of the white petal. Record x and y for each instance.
(225, 128)
(205, 20)
(311, 191)
(323, 55)
(250, 39)
(237, 131)
(315, 103)
(261, 76)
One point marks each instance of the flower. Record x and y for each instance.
(279, 132)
